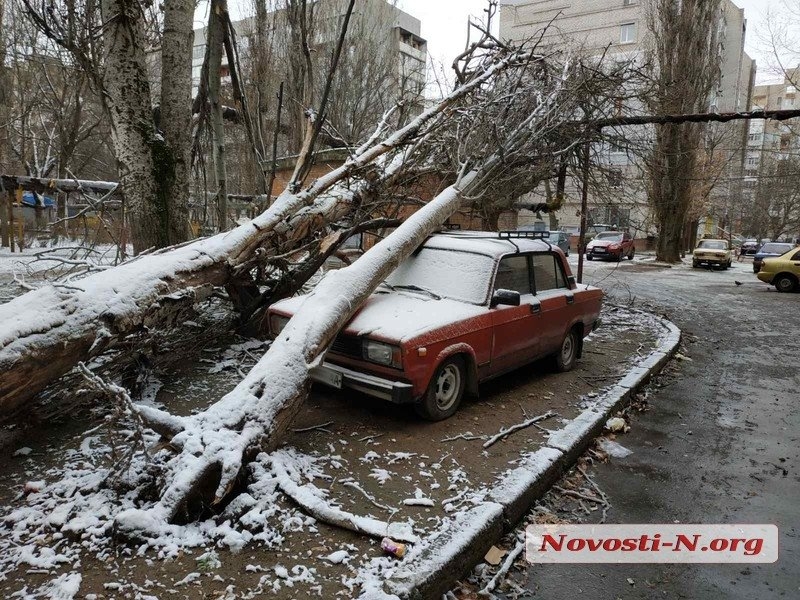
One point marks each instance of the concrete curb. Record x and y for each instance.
(430, 571)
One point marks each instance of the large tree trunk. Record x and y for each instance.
(5, 97)
(133, 135)
(215, 38)
(672, 164)
(173, 172)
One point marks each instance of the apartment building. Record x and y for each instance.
(619, 29)
(381, 21)
(772, 163)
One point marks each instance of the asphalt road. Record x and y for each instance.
(719, 445)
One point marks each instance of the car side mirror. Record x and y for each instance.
(508, 297)
(571, 281)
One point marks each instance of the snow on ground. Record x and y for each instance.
(377, 465)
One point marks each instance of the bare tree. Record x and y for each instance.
(151, 165)
(685, 59)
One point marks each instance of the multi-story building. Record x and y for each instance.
(380, 21)
(618, 28)
(772, 164)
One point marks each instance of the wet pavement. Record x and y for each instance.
(719, 444)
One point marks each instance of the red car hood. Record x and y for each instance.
(397, 316)
(602, 243)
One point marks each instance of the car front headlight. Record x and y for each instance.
(277, 323)
(381, 353)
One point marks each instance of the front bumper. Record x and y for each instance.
(338, 377)
(603, 253)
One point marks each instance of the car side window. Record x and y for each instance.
(547, 273)
(513, 274)
(796, 256)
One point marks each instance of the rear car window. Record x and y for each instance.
(711, 245)
(512, 274)
(547, 274)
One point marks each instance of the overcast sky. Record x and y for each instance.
(444, 25)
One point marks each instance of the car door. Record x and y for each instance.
(515, 329)
(557, 301)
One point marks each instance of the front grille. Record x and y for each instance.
(349, 345)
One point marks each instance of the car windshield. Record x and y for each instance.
(775, 248)
(460, 276)
(712, 245)
(609, 235)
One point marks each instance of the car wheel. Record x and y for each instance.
(568, 353)
(588, 257)
(695, 264)
(730, 264)
(785, 283)
(445, 390)
(633, 251)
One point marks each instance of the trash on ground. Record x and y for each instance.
(494, 556)
(617, 424)
(389, 546)
(613, 449)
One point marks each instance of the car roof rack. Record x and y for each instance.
(537, 235)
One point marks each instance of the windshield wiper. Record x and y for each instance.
(416, 288)
(388, 285)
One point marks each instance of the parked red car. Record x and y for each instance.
(466, 307)
(615, 245)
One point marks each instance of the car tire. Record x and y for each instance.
(730, 264)
(785, 283)
(588, 257)
(695, 264)
(445, 390)
(567, 354)
(630, 256)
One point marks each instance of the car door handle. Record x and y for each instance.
(570, 299)
(536, 309)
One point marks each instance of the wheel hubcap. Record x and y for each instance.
(567, 349)
(447, 386)
(785, 284)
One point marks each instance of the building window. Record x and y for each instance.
(627, 33)
(628, 2)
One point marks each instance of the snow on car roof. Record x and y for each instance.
(488, 243)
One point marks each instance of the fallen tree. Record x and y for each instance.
(206, 453)
(46, 332)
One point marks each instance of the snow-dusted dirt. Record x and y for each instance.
(367, 457)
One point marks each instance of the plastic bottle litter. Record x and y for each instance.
(394, 548)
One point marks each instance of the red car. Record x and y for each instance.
(466, 307)
(615, 245)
